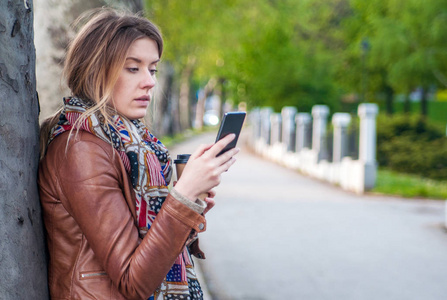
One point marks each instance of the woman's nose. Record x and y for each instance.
(148, 80)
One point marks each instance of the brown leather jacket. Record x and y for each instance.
(89, 214)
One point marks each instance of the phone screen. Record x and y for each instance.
(231, 123)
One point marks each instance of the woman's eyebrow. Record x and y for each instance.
(134, 58)
(139, 60)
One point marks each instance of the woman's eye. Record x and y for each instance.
(132, 70)
(153, 71)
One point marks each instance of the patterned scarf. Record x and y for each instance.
(148, 164)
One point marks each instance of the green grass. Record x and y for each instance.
(410, 186)
(170, 140)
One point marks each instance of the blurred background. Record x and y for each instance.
(240, 54)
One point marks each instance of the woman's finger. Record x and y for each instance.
(201, 150)
(211, 193)
(209, 204)
(227, 156)
(224, 167)
(220, 145)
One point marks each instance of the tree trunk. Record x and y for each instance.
(200, 108)
(389, 95)
(407, 104)
(424, 102)
(22, 247)
(184, 102)
(220, 92)
(184, 95)
(164, 108)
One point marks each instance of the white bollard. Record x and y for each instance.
(288, 127)
(367, 145)
(319, 114)
(340, 148)
(303, 122)
(255, 120)
(275, 121)
(265, 113)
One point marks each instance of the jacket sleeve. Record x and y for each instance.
(91, 183)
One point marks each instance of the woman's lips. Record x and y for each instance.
(143, 100)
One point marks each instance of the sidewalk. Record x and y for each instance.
(201, 278)
(276, 234)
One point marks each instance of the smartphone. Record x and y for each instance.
(231, 123)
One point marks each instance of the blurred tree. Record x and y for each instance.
(268, 52)
(283, 53)
(306, 52)
(359, 59)
(190, 30)
(408, 44)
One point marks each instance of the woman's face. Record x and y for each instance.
(131, 94)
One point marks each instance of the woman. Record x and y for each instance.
(114, 229)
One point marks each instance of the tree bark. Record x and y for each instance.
(184, 94)
(22, 247)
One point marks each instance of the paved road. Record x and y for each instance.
(275, 234)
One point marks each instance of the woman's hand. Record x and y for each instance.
(209, 201)
(203, 171)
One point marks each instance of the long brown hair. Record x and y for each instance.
(96, 57)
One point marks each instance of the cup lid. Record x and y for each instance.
(182, 158)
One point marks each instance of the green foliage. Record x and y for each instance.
(437, 111)
(410, 144)
(407, 185)
(418, 156)
(274, 70)
(306, 52)
(407, 46)
(269, 52)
